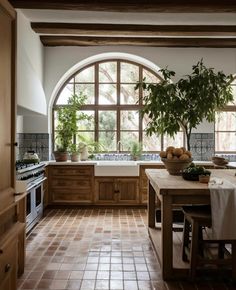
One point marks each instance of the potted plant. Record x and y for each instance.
(67, 125)
(135, 150)
(183, 105)
(74, 152)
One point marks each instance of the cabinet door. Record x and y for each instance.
(106, 191)
(8, 264)
(128, 190)
(7, 103)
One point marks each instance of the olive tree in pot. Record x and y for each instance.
(186, 103)
(67, 127)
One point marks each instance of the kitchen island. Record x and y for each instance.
(171, 190)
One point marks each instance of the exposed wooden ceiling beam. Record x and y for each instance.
(137, 41)
(132, 29)
(167, 6)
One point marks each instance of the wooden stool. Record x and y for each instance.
(195, 219)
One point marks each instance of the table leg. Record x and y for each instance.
(167, 237)
(151, 206)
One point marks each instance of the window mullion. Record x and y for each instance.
(118, 135)
(96, 128)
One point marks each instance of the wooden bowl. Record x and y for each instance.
(175, 167)
(219, 160)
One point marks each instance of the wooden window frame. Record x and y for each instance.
(229, 108)
(96, 107)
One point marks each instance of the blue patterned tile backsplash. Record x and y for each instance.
(202, 146)
(38, 142)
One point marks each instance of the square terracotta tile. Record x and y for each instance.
(92, 249)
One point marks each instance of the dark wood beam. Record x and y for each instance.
(137, 41)
(132, 30)
(162, 6)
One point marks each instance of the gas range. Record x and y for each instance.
(31, 173)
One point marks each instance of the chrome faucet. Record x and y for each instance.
(119, 146)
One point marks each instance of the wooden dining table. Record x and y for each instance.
(169, 191)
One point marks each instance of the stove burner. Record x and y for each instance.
(20, 164)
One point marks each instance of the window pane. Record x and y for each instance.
(177, 141)
(150, 77)
(108, 140)
(129, 120)
(55, 119)
(128, 95)
(65, 94)
(107, 94)
(87, 137)
(107, 120)
(127, 138)
(86, 124)
(151, 143)
(225, 121)
(86, 89)
(86, 75)
(129, 73)
(145, 121)
(108, 72)
(225, 141)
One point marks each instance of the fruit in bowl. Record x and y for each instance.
(192, 172)
(175, 159)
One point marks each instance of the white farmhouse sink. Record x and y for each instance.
(116, 168)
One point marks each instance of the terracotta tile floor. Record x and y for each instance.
(96, 249)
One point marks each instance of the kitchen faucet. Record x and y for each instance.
(119, 146)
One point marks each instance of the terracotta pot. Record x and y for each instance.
(74, 157)
(60, 156)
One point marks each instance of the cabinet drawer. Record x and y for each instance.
(71, 183)
(72, 170)
(8, 259)
(71, 196)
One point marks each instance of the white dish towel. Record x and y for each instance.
(223, 207)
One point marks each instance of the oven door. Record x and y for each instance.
(38, 205)
(30, 212)
(34, 208)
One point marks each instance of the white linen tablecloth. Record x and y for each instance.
(223, 209)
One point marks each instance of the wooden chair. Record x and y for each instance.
(194, 248)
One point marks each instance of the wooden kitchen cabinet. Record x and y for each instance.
(116, 191)
(8, 260)
(143, 181)
(70, 184)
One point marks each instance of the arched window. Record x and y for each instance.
(225, 127)
(114, 105)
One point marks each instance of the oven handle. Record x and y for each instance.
(35, 184)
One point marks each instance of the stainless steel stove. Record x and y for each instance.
(34, 176)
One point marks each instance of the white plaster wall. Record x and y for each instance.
(35, 124)
(30, 68)
(19, 124)
(58, 60)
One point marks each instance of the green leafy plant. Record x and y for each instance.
(184, 104)
(135, 150)
(67, 122)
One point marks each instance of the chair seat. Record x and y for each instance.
(200, 213)
(195, 219)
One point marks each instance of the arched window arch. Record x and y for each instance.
(113, 104)
(225, 127)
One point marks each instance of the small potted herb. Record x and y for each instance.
(135, 150)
